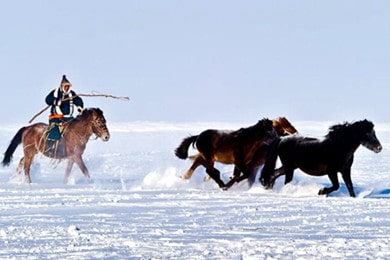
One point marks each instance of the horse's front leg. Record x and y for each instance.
(276, 174)
(68, 170)
(335, 184)
(79, 161)
(348, 181)
(235, 178)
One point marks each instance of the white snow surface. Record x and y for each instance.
(138, 207)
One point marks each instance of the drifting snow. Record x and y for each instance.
(137, 207)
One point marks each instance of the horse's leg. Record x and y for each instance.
(27, 164)
(289, 172)
(197, 161)
(20, 166)
(215, 175)
(237, 177)
(79, 161)
(269, 165)
(277, 173)
(348, 181)
(249, 170)
(236, 172)
(213, 172)
(252, 176)
(335, 184)
(68, 170)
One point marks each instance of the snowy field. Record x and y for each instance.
(137, 207)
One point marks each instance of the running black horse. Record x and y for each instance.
(332, 154)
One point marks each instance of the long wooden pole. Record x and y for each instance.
(79, 95)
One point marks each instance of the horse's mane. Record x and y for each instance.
(341, 130)
(87, 112)
(254, 130)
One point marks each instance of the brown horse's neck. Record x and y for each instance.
(79, 130)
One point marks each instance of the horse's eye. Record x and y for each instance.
(100, 122)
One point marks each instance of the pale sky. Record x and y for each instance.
(199, 60)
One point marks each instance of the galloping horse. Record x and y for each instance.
(77, 133)
(330, 155)
(246, 148)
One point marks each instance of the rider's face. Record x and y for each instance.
(66, 87)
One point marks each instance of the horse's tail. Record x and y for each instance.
(182, 150)
(270, 163)
(12, 147)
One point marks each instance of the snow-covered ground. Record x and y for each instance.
(137, 207)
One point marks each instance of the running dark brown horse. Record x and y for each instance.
(76, 134)
(246, 148)
(317, 157)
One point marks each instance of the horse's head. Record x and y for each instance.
(283, 127)
(366, 131)
(267, 129)
(98, 122)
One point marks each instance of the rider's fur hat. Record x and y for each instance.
(64, 82)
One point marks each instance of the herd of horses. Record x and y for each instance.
(262, 144)
(248, 149)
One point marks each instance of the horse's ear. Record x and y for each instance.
(364, 126)
(86, 111)
(100, 112)
(368, 124)
(284, 120)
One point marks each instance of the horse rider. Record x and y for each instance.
(62, 101)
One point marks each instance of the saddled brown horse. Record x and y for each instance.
(246, 148)
(76, 133)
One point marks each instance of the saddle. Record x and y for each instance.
(55, 143)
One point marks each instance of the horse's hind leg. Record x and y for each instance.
(20, 166)
(197, 161)
(335, 185)
(215, 175)
(27, 161)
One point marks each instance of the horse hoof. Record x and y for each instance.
(264, 183)
(322, 192)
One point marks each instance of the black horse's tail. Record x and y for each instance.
(182, 150)
(270, 163)
(12, 147)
